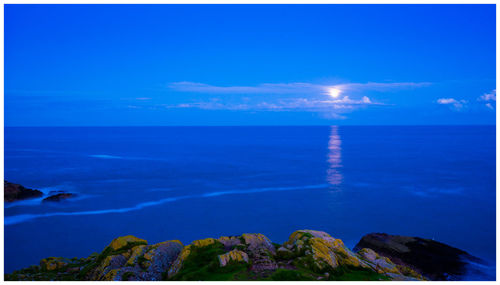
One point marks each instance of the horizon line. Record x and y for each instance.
(325, 125)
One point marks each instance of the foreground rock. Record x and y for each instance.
(434, 260)
(306, 255)
(15, 192)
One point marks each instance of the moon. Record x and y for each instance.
(334, 92)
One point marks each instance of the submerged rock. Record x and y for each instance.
(15, 192)
(59, 197)
(434, 260)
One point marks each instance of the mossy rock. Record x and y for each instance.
(125, 241)
(202, 263)
(232, 257)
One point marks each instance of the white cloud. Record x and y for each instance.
(492, 96)
(295, 96)
(457, 104)
(290, 88)
(299, 104)
(490, 99)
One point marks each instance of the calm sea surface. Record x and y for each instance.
(187, 183)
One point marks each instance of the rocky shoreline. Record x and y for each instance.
(307, 255)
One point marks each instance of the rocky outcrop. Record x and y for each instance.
(306, 255)
(432, 259)
(59, 197)
(130, 258)
(234, 256)
(15, 192)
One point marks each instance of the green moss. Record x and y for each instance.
(307, 235)
(143, 262)
(240, 247)
(96, 260)
(203, 264)
(290, 275)
(348, 273)
(126, 276)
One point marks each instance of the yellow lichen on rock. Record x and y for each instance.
(258, 243)
(111, 275)
(179, 261)
(186, 251)
(255, 238)
(177, 241)
(321, 252)
(407, 271)
(203, 242)
(121, 242)
(52, 263)
(325, 250)
(224, 238)
(136, 252)
(381, 264)
(232, 256)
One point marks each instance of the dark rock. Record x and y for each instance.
(434, 260)
(59, 197)
(15, 192)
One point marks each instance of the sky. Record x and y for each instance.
(155, 65)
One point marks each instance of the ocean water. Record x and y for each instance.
(188, 183)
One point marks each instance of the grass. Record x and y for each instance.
(290, 275)
(203, 264)
(348, 273)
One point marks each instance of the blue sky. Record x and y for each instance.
(112, 65)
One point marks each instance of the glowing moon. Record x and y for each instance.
(334, 92)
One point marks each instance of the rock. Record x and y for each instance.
(261, 252)
(229, 242)
(284, 253)
(125, 241)
(258, 242)
(186, 251)
(380, 264)
(110, 263)
(327, 252)
(307, 255)
(159, 259)
(53, 263)
(137, 251)
(130, 258)
(434, 260)
(399, 277)
(234, 256)
(15, 192)
(203, 242)
(59, 197)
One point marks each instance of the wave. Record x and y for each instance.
(12, 220)
(106, 156)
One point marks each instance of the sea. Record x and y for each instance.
(189, 183)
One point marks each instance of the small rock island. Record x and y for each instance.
(306, 255)
(15, 192)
